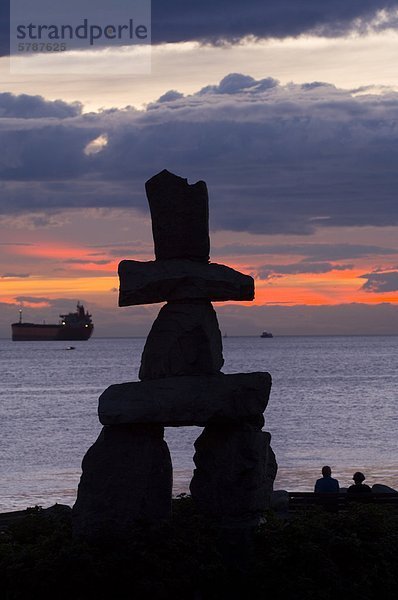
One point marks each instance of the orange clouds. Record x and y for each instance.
(73, 271)
(53, 287)
(335, 287)
(71, 258)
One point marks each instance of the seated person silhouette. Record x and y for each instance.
(359, 489)
(326, 484)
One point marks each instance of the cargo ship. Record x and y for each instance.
(73, 326)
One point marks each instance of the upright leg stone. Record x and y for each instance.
(127, 477)
(235, 469)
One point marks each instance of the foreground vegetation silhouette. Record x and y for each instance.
(317, 555)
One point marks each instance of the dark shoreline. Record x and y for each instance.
(314, 556)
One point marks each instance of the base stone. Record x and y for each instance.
(126, 478)
(235, 471)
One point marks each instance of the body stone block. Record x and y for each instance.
(186, 400)
(184, 340)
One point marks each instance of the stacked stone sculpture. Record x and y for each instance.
(127, 473)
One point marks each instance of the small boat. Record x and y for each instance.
(266, 334)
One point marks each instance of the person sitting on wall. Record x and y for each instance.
(326, 484)
(359, 487)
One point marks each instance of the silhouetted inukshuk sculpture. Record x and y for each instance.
(127, 473)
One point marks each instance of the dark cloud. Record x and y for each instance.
(231, 20)
(228, 21)
(340, 319)
(277, 159)
(122, 249)
(137, 244)
(40, 307)
(232, 84)
(15, 244)
(130, 251)
(380, 282)
(15, 275)
(236, 82)
(33, 299)
(311, 252)
(274, 271)
(34, 107)
(4, 27)
(170, 96)
(81, 261)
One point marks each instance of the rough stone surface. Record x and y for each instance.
(180, 217)
(235, 471)
(184, 340)
(126, 477)
(165, 280)
(186, 400)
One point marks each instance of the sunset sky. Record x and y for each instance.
(288, 110)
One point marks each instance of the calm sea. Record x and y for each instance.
(333, 401)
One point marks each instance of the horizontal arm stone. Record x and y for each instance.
(167, 280)
(186, 400)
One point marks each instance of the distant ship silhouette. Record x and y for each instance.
(73, 326)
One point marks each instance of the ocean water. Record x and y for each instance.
(334, 400)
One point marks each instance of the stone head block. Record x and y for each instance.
(180, 217)
(168, 280)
